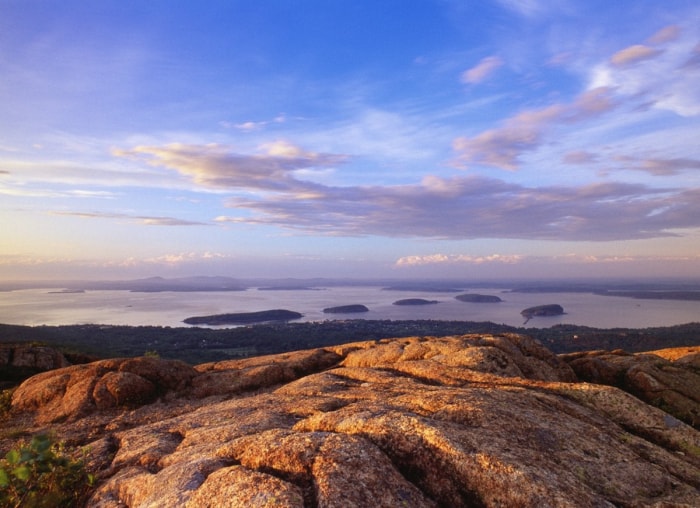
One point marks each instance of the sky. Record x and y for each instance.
(349, 138)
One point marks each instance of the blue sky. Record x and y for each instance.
(498, 138)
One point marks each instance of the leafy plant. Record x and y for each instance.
(5, 402)
(41, 474)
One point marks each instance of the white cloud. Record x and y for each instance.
(664, 78)
(433, 259)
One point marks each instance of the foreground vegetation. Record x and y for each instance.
(41, 473)
(197, 345)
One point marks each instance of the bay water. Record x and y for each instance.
(48, 307)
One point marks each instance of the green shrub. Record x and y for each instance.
(41, 474)
(5, 402)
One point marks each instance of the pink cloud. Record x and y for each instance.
(633, 54)
(666, 34)
(579, 157)
(525, 131)
(480, 72)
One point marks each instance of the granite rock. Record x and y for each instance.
(476, 420)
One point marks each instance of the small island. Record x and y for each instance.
(476, 298)
(288, 288)
(542, 310)
(242, 318)
(345, 309)
(415, 301)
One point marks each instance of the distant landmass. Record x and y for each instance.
(415, 301)
(476, 298)
(289, 288)
(423, 289)
(240, 318)
(345, 309)
(654, 295)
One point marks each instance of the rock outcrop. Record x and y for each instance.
(668, 379)
(473, 420)
(39, 358)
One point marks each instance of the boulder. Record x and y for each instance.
(73, 392)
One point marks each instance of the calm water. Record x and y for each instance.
(41, 307)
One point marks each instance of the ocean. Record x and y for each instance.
(119, 307)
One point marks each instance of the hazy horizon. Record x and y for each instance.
(440, 139)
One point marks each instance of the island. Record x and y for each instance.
(242, 318)
(288, 288)
(542, 310)
(415, 301)
(345, 309)
(476, 298)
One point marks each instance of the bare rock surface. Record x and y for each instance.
(474, 420)
(668, 379)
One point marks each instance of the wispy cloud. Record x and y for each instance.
(480, 72)
(503, 146)
(216, 166)
(449, 208)
(666, 34)
(529, 8)
(473, 207)
(658, 166)
(186, 257)
(250, 126)
(634, 54)
(663, 77)
(693, 61)
(145, 220)
(579, 157)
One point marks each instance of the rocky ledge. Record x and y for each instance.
(476, 420)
